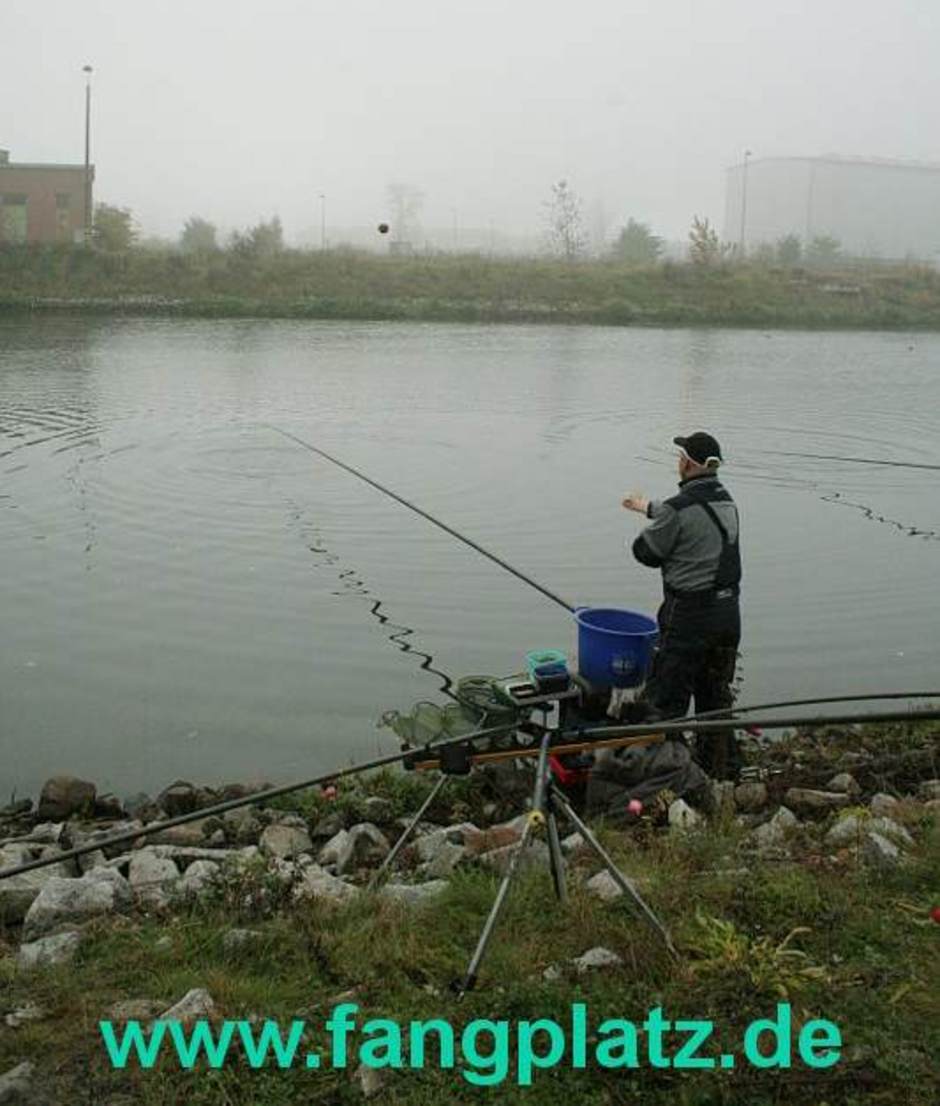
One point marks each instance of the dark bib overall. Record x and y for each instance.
(699, 633)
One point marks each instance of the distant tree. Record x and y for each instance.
(261, 240)
(823, 250)
(565, 225)
(763, 253)
(267, 238)
(789, 250)
(113, 228)
(637, 244)
(405, 204)
(198, 236)
(704, 247)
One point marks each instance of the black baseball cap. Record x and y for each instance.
(700, 447)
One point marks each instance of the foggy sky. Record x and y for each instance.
(239, 109)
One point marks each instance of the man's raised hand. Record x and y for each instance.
(636, 502)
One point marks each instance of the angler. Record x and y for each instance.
(693, 539)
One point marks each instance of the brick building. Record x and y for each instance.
(41, 203)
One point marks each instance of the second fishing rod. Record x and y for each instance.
(570, 607)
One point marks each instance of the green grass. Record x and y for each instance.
(346, 284)
(835, 940)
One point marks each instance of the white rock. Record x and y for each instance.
(154, 878)
(414, 894)
(60, 948)
(31, 1012)
(604, 887)
(772, 834)
(15, 853)
(316, 883)
(365, 844)
(850, 830)
(428, 844)
(879, 851)
(596, 958)
(534, 855)
(894, 831)
(844, 783)
(883, 805)
(447, 858)
(163, 944)
(100, 891)
(237, 939)
(572, 843)
(16, 1086)
(17, 893)
(719, 796)
(196, 1003)
(371, 1080)
(682, 816)
(198, 877)
(336, 847)
(285, 841)
(87, 861)
(847, 831)
(47, 833)
(552, 973)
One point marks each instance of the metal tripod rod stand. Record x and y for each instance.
(547, 802)
(537, 817)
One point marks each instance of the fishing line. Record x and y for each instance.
(869, 513)
(424, 514)
(355, 587)
(854, 460)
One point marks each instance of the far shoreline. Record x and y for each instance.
(348, 285)
(469, 314)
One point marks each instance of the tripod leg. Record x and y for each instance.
(619, 878)
(555, 856)
(409, 830)
(469, 980)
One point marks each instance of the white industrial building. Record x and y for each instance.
(878, 209)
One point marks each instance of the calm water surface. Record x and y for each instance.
(185, 593)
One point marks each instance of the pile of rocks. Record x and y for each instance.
(834, 820)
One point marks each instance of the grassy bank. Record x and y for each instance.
(358, 285)
(819, 929)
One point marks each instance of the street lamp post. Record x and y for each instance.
(87, 70)
(741, 244)
(322, 221)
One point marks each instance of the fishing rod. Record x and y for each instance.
(246, 800)
(854, 460)
(732, 712)
(425, 515)
(580, 740)
(588, 739)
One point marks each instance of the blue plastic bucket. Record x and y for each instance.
(615, 647)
